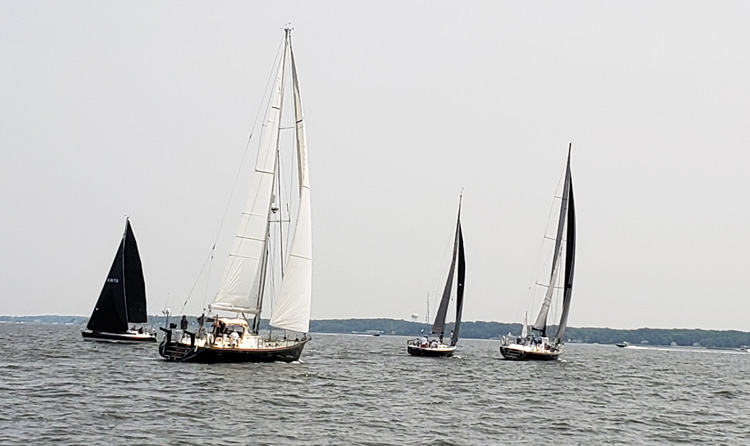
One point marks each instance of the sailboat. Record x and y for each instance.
(122, 301)
(251, 272)
(433, 345)
(536, 344)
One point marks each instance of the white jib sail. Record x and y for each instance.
(241, 287)
(291, 310)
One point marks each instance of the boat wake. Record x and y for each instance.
(685, 349)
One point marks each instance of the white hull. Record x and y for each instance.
(127, 337)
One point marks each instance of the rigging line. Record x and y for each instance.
(271, 285)
(294, 172)
(278, 201)
(197, 279)
(277, 177)
(442, 273)
(285, 243)
(546, 285)
(249, 139)
(208, 282)
(237, 176)
(124, 285)
(541, 263)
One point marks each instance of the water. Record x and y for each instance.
(57, 389)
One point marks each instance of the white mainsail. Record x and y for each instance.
(241, 288)
(291, 310)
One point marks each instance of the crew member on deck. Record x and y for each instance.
(184, 323)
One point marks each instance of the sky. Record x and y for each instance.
(145, 108)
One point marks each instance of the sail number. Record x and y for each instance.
(113, 280)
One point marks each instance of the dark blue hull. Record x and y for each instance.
(431, 352)
(173, 351)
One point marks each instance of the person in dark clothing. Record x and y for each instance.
(184, 323)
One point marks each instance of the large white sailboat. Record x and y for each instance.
(234, 315)
(535, 342)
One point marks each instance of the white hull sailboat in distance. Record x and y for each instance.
(433, 345)
(259, 265)
(120, 312)
(538, 344)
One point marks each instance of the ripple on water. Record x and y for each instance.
(366, 390)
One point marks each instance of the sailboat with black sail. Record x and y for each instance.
(433, 345)
(257, 261)
(537, 344)
(120, 311)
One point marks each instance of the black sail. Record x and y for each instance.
(110, 313)
(135, 288)
(438, 327)
(541, 320)
(570, 261)
(459, 284)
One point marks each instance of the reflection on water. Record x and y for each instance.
(57, 389)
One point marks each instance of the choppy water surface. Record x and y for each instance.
(57, 389)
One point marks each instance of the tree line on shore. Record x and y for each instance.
(475, 330)
(495, 330)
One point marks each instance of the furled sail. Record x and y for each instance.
(438, 327)
(242, 287)
(110, 312)
(135, 287)
(291, 309)
(541, 320)
(460, 283)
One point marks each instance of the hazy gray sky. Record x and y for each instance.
(145, 108)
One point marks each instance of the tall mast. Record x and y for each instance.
(277, 179)
(287, 32)
(427, 316)
(264, 274)
(124, 288)
(541, 320)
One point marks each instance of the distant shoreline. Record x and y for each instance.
(477, 330)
